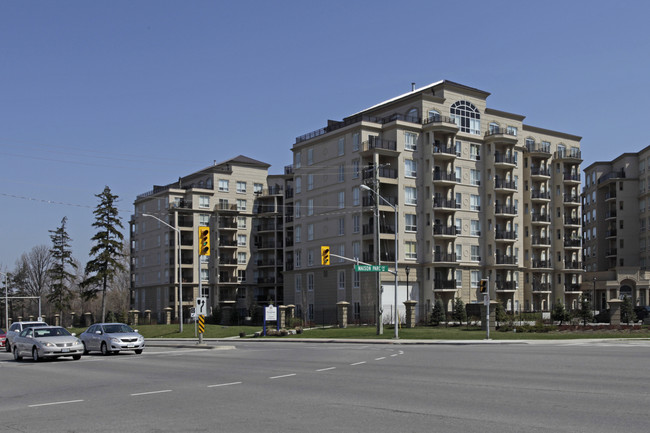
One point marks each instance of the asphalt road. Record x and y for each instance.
(333, 387)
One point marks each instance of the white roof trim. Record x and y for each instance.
(400, 96)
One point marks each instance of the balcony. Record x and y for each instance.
(541, 240)
(541, 264)
(227, 261)
(369, 200)
(505, 235)
(445, 178)
(440, 123)
(505, 286)
(376, 143)
(539, 149)
(386, 172)
(261, 245)
(611, 252)
(540, 218)
(541, 288)
(440, 230)
(572, 221)
(572, 288)
(571, 154)
(227, 224)
(620, 174)
(572, 243)
(505, 184)
(508, 160)
(571, 199)
(503, 259)
(540, 195)
(440, 285)
(569, 264)
(610, 214)
(505, 210)
(444, 257)
(540, 172)
(502, 135)
(572, 177)
(227, 243)
(440, 203)
(441, 152)
(611, 233)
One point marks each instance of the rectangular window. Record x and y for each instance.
(410, 168)
(298, 280)
(204, 219)
(459, 278)
(459, 253)
(410, 141)
(204, 201)
(341, 226)
(512, 130)
(310, 232)
(310, 182)
(341, 199)
(241, 275)
(475, 253)
(356, 249)
(356, 140)
(475, 202)
(474, 151)
(297, 233)
(356, 196)
(241, 222)
(310, 258)
(298, 258)
(410, 195)
(205, 274)
(341, 252)
(298, 184)
(241, 205)
(241, 258)
(410, 223)
(310, 156)
(223, 203)
(310, 282)
(342, 173)
(475, 277)
(475, 177)
(297, 160)
(258, 188)
(341, 146)
(356, 223)
(355, 169)
(341, 280)
(296, 209)
(241, 187)
(356, 283)
(475, 228)
(310, 206)
(410, 251)
(223, 185)
(241, 240)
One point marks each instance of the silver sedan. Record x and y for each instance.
(112, 337)
(46, 342)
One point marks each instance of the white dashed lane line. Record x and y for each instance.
(151, 392)
(55, 402)
(284, 375)
(379, 359)
(326, 369)
(224, 384)
(359, 363)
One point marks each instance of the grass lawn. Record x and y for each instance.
(369, 332)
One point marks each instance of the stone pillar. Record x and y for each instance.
(31, 318)
(410, 313)
(342, 316)
(227, 308)
(57, 320)
(615, 311)
(73, 317)
(135, 314)
(291, 313)
(88, 318)
(168, 315)
(147, 317)
(9, 323)
(20, 318)
(492, 319)
(283, 316)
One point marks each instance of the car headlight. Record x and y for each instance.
(115, 340)
(48, 344)
(78, 342)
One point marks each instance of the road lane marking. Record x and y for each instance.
(55, 402)
(359, 363)
(394, 354)
(325, 369)
(379, 359)
(284, 375)
(151, 392)
(224, 384)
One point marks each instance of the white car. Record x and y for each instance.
(16, 328)
(46, 342)
(112, 338)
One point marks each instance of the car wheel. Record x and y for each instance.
(76, 357)
(85, 350)
(138, 351)
(105, 350)
(7, 347)
(17, 356)
(35, 355)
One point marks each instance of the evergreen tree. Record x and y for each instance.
(459, 313)
(60, 294)
(585, 313)
(559, 313)
(107, 248)
(438, 314)
(627, 311)
(500, 313)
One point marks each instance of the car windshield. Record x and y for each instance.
(117, 329)
(34, 325)
(50, 332)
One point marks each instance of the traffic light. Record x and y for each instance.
(204, 241)
(483, 286)
(324, 255)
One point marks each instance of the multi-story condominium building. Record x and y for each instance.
(478, 194)
(242, 206)
(616, 224)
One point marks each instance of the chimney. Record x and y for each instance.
(412, 87)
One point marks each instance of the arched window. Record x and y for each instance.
(412, 116)
(434, 115)
(466, 116)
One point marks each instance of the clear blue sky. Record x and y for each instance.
(134, 93)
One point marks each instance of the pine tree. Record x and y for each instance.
(60, 294)
(438, 314)
(627, 311)
(500, 313)
(585, 312)
(559, 313)
(107, 248)
(459, 313)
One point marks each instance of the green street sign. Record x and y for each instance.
(371, 268)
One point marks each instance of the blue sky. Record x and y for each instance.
(134, 93)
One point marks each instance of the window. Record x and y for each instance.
(258, 188)
(296, 160)
(475, 253)
(434, 115)
(356, 223)
(459, 174)
(241, 240)
(341, 173)
(356, 249)
(205, 274)
(356, 196)
(298, 183)
(310, 232)
(223, 185)
(204, 219)
(341, 226)
(241, 258)
(241, 205)
(459, 253)
(475, 177)
(459, 278)
(512, 130)
(310, 182)
(241, 275)
(355, 169)
(493, 127)
(409, 250)
(310, 258)
(310, 282)
(466, 116)
(475, 202)
(223, 203)
(356, 140)
(474, 151)
(297, 233)
(356, 283)
(475, 228)
(410, 195)
(341, 199)
(410, 168)
(298, 258)
(241, 222)
(341, 252)
(410, 141)
(298, 281)
(310, 206)
(475, 276)
(341, 146)
(341, 280)
(241, 187)
(204, 201)
(310, 156)
(296, 209)
(410, 223)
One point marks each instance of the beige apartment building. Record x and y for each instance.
(243, 207)
(616, 224)
(477, 192)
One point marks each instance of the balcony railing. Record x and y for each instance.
(445, 257)
(508, 235)
(444, 284)
(539, 218)
(502, 259)
(504, 159)
(572, 242)
(450, 177)
(505, 184)
(502, 209)
(439, 229)
(506, 285)
(569, 264)
(572, 176)
(545, 195)
(541, 263)
(541, 240)
(541, 287)
(540, 171)
(444, 203)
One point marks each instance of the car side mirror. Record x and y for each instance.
(135, 330)
(98, 332)
(74, 334)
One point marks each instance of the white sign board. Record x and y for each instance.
(201, 306)
(271, 313)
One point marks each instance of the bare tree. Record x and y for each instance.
(36, 265)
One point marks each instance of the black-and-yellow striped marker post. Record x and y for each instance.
(201, 327)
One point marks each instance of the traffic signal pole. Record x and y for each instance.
(487, 307)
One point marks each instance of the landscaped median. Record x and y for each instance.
(464, 332)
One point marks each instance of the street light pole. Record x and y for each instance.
(396, 316)
(593, 301)
(180, 274)
(407, 269)
(7, 303)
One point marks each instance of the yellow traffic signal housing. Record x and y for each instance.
(324, 255)
(204, 241)
(483, 286)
